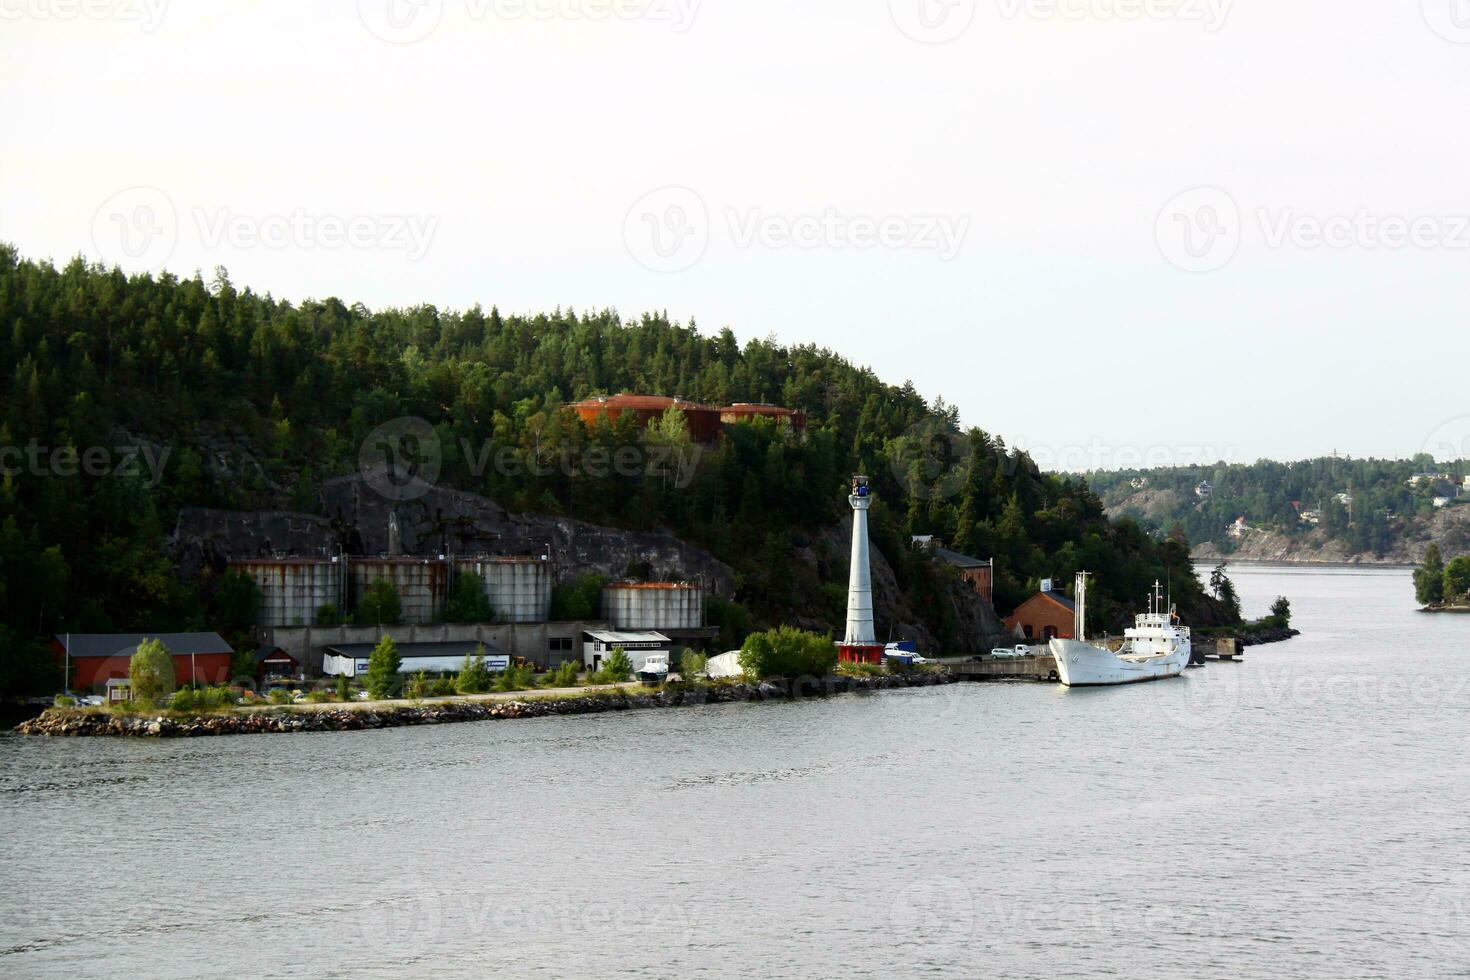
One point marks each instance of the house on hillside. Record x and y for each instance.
(1045, 616)
(1205, 490)
(979, 573)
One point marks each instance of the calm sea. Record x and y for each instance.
(1305, 813)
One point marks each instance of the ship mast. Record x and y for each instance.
(1079, 627)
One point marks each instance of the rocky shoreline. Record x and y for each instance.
(1267, 636)
(72, 723)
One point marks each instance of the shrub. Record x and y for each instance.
(467, 602)
(442, 686)
(329, 615)
(615, 669)
(515, 678)
(183, 700)
(151, 672)
(62, 701)
(318, 696)
(380, 605)
(581, 598)
(474, 676)
(787, 652)
(564, 676)
(382, 674)
(692, 665)
(344, 688)
(279, 696)
(418, 686)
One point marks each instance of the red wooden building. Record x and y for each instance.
(92, 659)
(1044, 616)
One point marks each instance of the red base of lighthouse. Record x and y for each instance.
(859, 653)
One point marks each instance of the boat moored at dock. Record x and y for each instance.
(1155, 647)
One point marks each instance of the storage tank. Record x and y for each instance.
(422, 584)
(293, 589)
(653, 605)
(519, 589)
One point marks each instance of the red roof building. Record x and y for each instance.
(702, 421)
(92, 659)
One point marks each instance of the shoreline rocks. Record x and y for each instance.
(75, 724)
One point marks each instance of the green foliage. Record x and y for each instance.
(1457, 579)
(515, 678)
(616, 669)
(1429, 578)
(62, 701)
(692, 665)
(329, 615)
(788, 652)
(732, 618)
(380, 605)
(278, 695)
(1281, 612)
(382, 674)
(188, 700)
(151, 672)
(467, 602)
(236, 604)
(474, 676)
(565, 675)
(344, 688)
(419, 686)
(578, 598)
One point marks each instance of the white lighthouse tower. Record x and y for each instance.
(859, 643)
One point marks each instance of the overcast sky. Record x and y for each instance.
(1108, 230)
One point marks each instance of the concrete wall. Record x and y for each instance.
(529, 640)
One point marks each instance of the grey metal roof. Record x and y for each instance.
(413, 651)
(614, 636)
(963, 561)
(1061, 599)
(126, 644)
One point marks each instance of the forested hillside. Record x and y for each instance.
(259, 400)
(1367, 506)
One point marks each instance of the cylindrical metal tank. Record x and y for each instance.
(422, 584)
(519, 589)
(653, 605)
(293, 589)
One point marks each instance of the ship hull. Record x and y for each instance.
(1084, 665)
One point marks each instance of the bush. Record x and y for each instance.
(182, 700)
(616, 669)
(318, 696)
(62, 701)
(787, 652)
(564, 676)
(329, 615)
(418, 686)
(344, 688)
(467, 602)
(380, 605)
(474, 676)
(442, 686)
(692, 665)
(515, 678)
(151, 672)
(279, 696)
(581, 598)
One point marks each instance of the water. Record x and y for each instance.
(1303, 814)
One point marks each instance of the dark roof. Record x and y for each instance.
(1058, 597)
(270, 651)
(963, 561)
(412, 651)
(126, 644)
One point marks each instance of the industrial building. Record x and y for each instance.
(422, 583)
(293, 589)
(701, 421)
(598, 644)
(351, 659)
(675, 609)
(518, 589)
(741, 412)
(92, 659)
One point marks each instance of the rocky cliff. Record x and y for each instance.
(1449, 528)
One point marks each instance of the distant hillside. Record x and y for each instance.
(260, 403)
(1321, 510)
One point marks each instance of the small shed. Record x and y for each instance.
(273, 663)
(119, 689)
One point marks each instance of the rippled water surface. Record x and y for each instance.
(1303, 814)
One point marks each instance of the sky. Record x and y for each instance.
(1115, 232)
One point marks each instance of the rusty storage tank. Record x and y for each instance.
(519, 589)
(293, 589)
(653, 605)
(422, 584)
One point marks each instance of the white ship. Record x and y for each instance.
(1153, 648)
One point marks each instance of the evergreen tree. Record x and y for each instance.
(382, 674)
(1429, 578)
